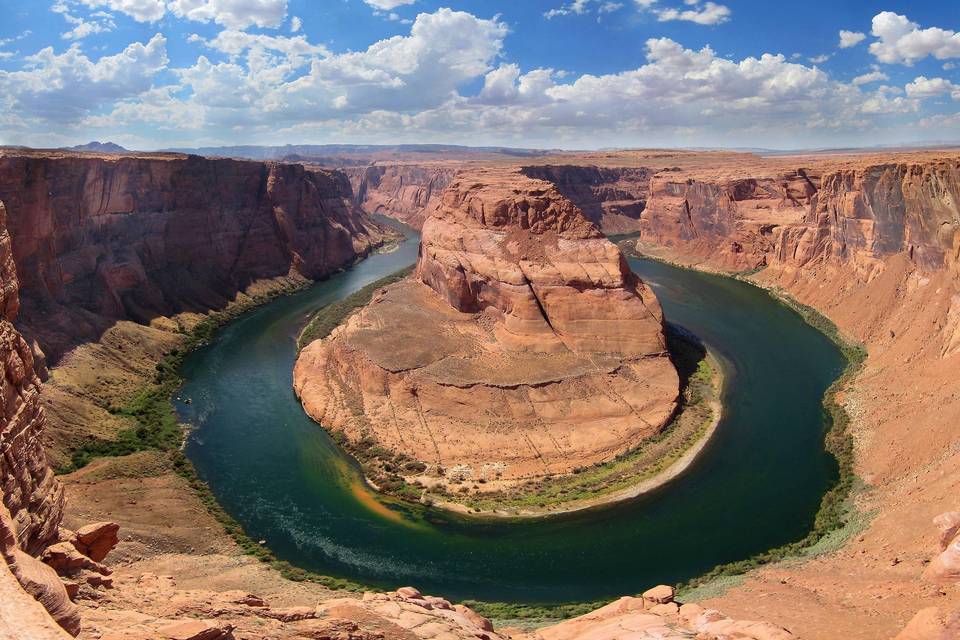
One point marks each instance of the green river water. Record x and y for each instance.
(757, 485)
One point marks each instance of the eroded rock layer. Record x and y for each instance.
(401, 191)
(613, 198)
(101, 239)
(855, 216)
(523, 345)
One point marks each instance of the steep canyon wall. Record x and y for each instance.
(98, 240)
(400, 191)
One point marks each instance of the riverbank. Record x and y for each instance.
(648, 466)
(642, 470)
(838, 517)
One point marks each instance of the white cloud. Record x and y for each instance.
(710, 13)
(577, 7)
(867, 78)
(388, 5)
(295, 24)
(139, 10)
(923, 87)
(902, 41)
(420, 86)
(233, 14)
(64, 87)
(851, 38)
(820, 59)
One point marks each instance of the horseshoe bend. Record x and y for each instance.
(521, 347)
(467, 320)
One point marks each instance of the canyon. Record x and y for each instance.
(108, 262)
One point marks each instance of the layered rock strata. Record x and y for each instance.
(854, 216)
(400, 191)
(33, 501)
(523, 346)
(612, 198)
(102, 239)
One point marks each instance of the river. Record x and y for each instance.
(757, 485)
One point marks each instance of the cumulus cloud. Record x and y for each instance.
(446, 79)
(923, 87)
(139, 10)
(851, 38)
(64, 87)
(233, 14)
(710, 13)
(295, 24)
(867, 78)
(903, 41)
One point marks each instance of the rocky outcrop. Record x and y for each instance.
(522, 347)
(657, 618)
(101, 239)
(404, 192)
(612, 198)
(87, 242)
(855, 216)
(945, 566)
(32, 497)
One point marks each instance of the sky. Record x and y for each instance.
(574, 74)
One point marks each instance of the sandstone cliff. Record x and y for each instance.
(400, 191)
(855, 216)
(522, 347)
(102, 239)
(613, 198)
(33, 501)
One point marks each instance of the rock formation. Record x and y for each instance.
(522, 347)
(854, 216)
(400, 191)
(612, 198)
(87, 242)
(32, 497)
(101, 239)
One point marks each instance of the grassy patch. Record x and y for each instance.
(153, 423)
(329, 317)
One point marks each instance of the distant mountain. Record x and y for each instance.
(100, 147)
(311, 151)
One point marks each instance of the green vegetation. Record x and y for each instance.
(692, 420)
(329, 317)
(837, 518)
(154, 425)
(184, 468)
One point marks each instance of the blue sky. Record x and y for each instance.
(546, 73)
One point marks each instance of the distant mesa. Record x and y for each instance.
(99, 147)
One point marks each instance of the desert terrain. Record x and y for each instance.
(93, 304)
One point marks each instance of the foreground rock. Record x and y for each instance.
(522, 347)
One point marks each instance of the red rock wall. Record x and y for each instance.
(33, 498)
(503, 240)
(856, 217)
(403, 192)
(101, 239)
(613, 198)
